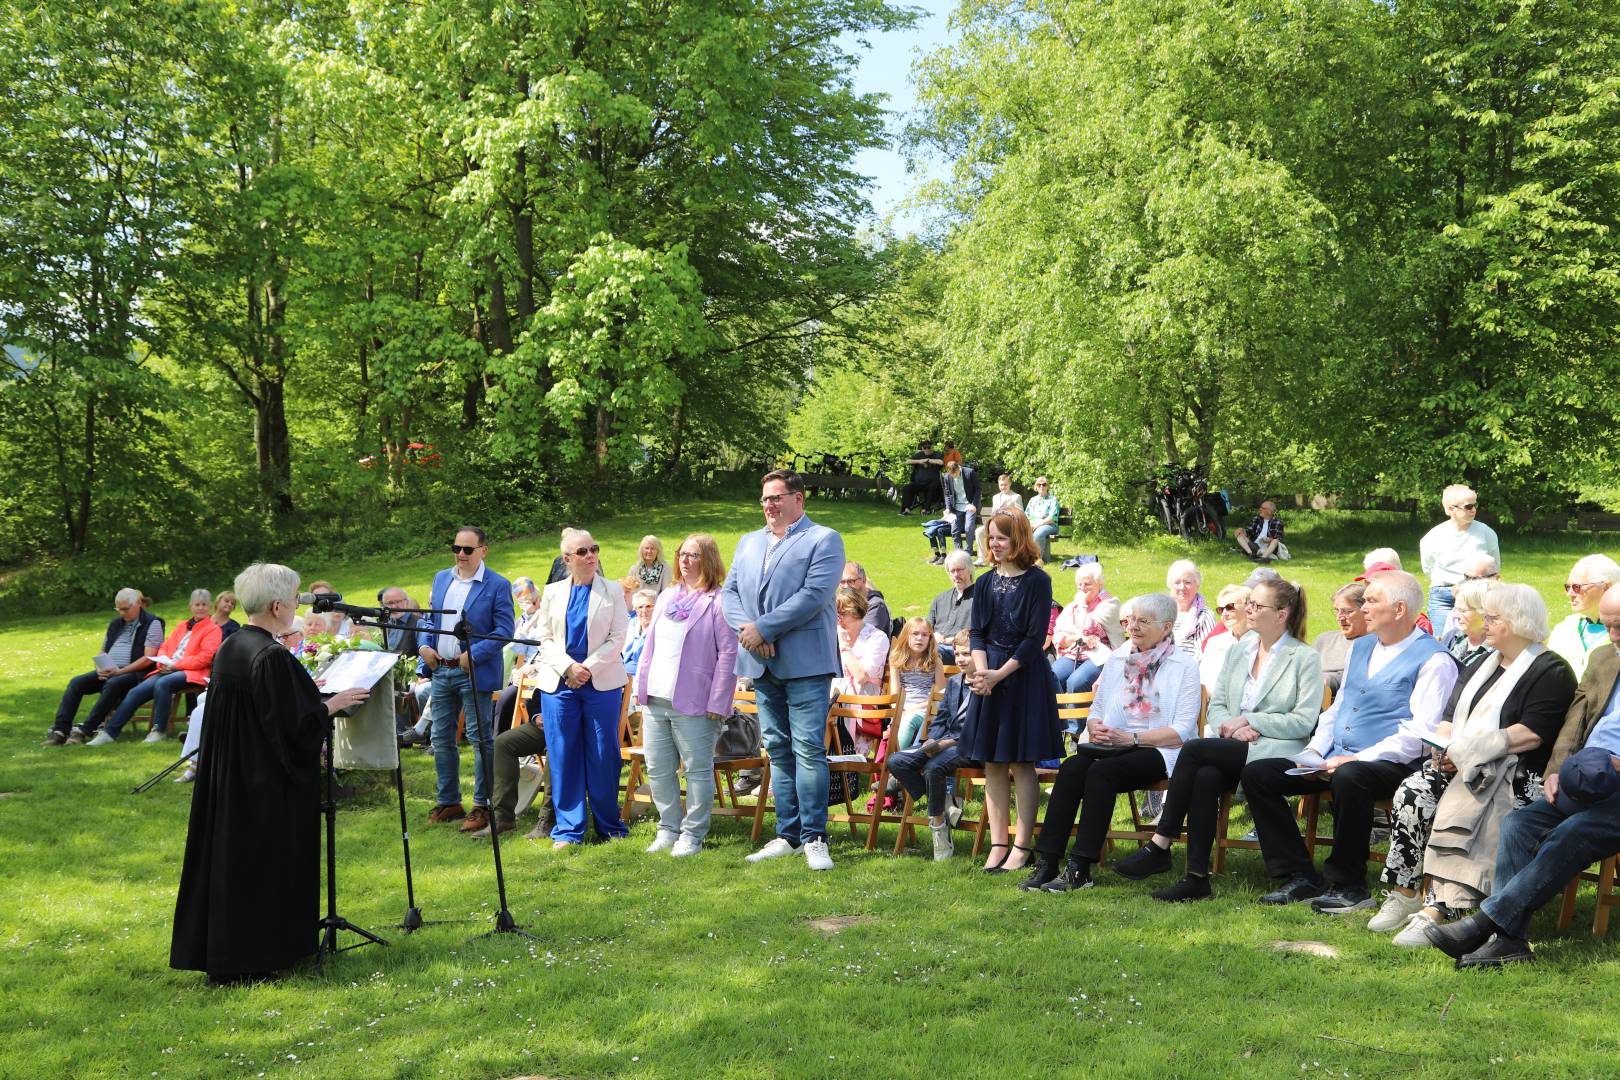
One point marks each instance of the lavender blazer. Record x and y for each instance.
(706, 681)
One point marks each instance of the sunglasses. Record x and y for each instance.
(1224, 608)
(592, 550)
(1581, 586)
(1466, 506)
(462, 549)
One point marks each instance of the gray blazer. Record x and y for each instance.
(1290, 697)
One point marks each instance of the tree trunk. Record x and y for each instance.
(273, 444)
(677, 424)
(604, 429)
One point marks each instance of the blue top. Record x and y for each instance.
(577, 641)
(1606, 732)
(1372, 709)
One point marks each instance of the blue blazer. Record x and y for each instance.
(488, 610)
(792, 605)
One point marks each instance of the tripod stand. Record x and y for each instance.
(333, 922)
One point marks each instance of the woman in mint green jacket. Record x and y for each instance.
(1264, 705)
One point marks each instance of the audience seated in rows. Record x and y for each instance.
(1504, 714)
(1383, 560)
(1581, 631)
(863, 656)
(185, 659)
(127, 648)
(1086, 633)
(224, 604)
(642, 603)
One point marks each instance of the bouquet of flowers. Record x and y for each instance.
(320, 650)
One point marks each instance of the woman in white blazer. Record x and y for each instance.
(582, 682)
(1264, 705)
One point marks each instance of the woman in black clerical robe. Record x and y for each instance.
(249, 901)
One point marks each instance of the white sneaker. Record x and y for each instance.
(662, 842)
(816, 854)
(154, 736)
(187, 777)
(1413, 937)
(943, 848)
(101, 739)
(1396, 911)
(773, 850)
(685, 846)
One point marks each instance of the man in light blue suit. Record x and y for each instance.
(484, 599)
(779, 599)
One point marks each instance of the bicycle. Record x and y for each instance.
(1185, 506)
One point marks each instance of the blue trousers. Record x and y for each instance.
(1540, 850)
(966, 522)
(918, 773)
(793, 727)
(1074, 676)
(452, 693)
(160, 691)
(111, 692)
(582, 750)
(1043, 540)
(1441, 602)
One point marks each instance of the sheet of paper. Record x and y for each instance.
(103, 662)
(357, 668)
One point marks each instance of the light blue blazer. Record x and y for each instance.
(1290, 697)
(792, 605)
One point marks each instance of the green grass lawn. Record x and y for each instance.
(647, 966)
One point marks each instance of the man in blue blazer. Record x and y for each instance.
(484, 599)
(779, 598)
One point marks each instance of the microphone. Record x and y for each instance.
(331, 601)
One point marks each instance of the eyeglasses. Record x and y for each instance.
(1581, 586)
(462, 549)
(689, 555)
(1490, 620)
(1253, 605)
(772, 500)
(1346, 612)
(592, 550)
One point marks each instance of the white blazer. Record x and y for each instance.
(605, 632)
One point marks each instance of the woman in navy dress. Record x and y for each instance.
(1012, 721)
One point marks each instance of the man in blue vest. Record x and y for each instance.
(132, 639)
(1396, 685)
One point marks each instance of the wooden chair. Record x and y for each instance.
(1606, 898)
(885, 709)
(1224, 814)
(181, 704)
(908, 821)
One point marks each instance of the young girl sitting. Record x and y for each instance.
(915, 673)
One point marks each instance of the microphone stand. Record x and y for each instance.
(146, 785)
(334, 922)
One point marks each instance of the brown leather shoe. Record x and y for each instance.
(76, 737)
(56, 738)
(446, 813)
(476, 820)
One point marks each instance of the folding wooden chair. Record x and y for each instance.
(908, 821)
(181, 704)
(725, 776)
(885, 709)
(1604, 876)
(1224, 814)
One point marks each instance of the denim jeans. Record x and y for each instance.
(918, 773)
(111, 692)
(1043, 540)
(1074, 676)
(1440, 604)
(674, 739)
(1538, 853)
(793, 727)
(452, 692)
(159, 690)
(962, 529)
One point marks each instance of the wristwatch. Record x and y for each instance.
(1136, 739)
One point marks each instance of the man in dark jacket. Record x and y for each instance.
(1261, 539)
(960, 483)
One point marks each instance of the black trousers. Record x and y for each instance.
(1205, 770)
(1356, 786)
(916, 493)
(1088, 784)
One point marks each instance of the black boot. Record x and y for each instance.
(1076, 875)
(1462, 937)
(1045, 871)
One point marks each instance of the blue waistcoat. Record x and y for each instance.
(1372, 709)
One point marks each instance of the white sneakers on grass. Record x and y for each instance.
(685, 846)
(1395, 912)
(662, 842)
(101, 739)
(1412, 937)
(154, 736)
(943, 848)
(816, 855)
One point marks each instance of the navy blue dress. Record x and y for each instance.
(1018, 721)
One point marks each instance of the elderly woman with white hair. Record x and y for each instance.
(1146, 706)
(1581, 631)
(1448, 548)
(1465, 641)
(1499, 728)
(1194, 620)
(1087, 631)
(249, 898)
(1231, 608)
(182, 660)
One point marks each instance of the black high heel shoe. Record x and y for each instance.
(996, 867)
(1029, 860)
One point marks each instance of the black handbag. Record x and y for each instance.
(738, 737)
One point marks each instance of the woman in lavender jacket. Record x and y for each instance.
(685, 682)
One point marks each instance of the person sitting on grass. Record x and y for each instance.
(184, 659)
(1264, 704)
(929, 766)
(915, 674)
(1262, 538)
(127, 648)
(1505, 713)
(1146, 706)
(1366, 743)
(1087, 631)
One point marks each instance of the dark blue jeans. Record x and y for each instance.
(1538, 853)
(793, 727)
(160, 691)
(111, 692)
(918, 773)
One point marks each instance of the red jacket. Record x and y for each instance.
(199, 658)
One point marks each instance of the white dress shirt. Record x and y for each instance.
(1430, 693)
(455, 598)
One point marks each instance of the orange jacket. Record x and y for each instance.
(199, 658)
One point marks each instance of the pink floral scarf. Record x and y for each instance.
(1140, 669)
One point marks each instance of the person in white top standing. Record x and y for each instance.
(1447, 548)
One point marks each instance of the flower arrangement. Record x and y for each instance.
(321, 649)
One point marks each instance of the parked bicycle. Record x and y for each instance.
(1180, 498)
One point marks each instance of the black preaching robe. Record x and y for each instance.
(249, 899)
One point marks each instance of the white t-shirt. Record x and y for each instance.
(666, 659)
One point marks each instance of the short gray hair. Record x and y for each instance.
(643, 594)
(1521, 607)
(1399, 586)
(570, 537)
(262, 584)
(1183, 566)
(127, 596)
(1597, 568)
(1088, 572)
(1157, 607)
(857, 567)
(958, 557)
(202, 594)
(1381, 555)
(1471, 594)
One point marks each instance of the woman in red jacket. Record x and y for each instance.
(185, 659)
